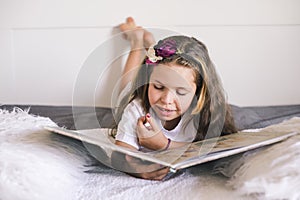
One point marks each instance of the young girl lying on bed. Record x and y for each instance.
(175, 98)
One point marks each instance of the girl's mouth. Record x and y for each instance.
(165, 112)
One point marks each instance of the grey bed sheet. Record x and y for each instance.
(245, 117)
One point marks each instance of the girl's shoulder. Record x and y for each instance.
(135, 106)
(135, 103)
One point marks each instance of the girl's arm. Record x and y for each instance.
(158, 141)
(153, 138)
(133, 61)
(123, 144)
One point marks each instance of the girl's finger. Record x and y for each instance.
(156, 175)
(143, 124)
(152, 122)
(140, 166)
(141, 129)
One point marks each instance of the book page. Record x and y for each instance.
(215, 148)
(101, 137)
(186, 156)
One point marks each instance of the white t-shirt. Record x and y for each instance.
(127, 126)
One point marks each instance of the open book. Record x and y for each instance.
(186, 156)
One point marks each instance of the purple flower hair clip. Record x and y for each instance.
(164, 49)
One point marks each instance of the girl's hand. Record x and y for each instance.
(150, 137)
(145, 170)
(137, 167)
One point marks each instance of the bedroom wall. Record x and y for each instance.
(255, 45)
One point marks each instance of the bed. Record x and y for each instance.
(37, 164)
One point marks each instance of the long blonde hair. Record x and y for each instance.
(211, 113)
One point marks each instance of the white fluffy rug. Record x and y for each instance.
(36, 164)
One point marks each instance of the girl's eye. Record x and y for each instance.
(181, 92)
(158, 87)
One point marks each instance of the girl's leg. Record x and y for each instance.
(139, 39)
(148, 39)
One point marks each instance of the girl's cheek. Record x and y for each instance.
(179, 104)
(185, 102)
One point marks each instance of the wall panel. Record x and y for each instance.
(44, 44)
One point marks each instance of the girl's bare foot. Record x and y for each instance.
(136, 35)
(148, 39)
(133, 33)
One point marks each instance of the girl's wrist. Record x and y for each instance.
(168, 144)
(163, 144)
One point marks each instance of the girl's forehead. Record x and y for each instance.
(173, 75)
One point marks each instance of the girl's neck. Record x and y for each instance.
(170, 125)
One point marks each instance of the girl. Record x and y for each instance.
(176, 97)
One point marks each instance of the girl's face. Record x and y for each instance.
(171, 90)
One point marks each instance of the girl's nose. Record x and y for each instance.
(167, 97)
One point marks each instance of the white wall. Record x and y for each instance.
(255, 45)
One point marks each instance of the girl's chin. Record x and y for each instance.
(166, 118)
(169, 117)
